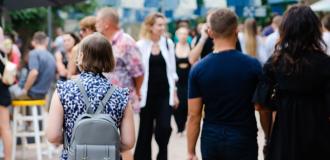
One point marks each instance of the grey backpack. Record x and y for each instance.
(95, 135)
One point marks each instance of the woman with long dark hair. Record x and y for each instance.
(299, 76)
(63, 57)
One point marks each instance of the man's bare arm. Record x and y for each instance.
(195, 107)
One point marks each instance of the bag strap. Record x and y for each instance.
(105, 99)
(101, 105)
(84, 94)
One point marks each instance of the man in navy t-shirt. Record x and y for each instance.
(224, 81)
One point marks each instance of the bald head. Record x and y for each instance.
(109, 14)
(107, 21)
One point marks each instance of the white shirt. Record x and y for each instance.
(261, 53)
(169, 56)
(326, 38)
(270, 43)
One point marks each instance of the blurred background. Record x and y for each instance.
(23, 18)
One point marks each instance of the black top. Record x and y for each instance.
(64, 59)
(301, 128)
(208, 46)
(226, 82)
(157, 82)
(5, 99)
(182, 69)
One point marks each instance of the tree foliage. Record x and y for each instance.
(28, 21)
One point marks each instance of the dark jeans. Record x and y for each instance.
(220, 142)
(157, 108)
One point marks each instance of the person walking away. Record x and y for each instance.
(298, 78)
(95, 57)
(224, 81)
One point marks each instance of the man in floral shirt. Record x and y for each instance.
(129, 69)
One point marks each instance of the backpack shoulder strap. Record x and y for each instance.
(105, 99)
(84, 94)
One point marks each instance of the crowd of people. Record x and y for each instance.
(223, 74)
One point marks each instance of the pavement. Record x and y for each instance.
(177, 148)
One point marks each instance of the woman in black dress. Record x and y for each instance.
(182, 49)
(300, 71)
(5, 101)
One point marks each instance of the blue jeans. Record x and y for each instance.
(219, 142)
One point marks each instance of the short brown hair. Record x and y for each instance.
(326, 22)
(88, 22)
(223, 22)
(97, 55)
(39, 37)
(109, 14)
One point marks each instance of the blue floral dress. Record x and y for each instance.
(96, 86)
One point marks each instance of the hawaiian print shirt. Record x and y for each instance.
(128, 64)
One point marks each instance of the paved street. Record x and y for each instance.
(177, 146)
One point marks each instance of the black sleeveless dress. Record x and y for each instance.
(180, 115)
(5, 99)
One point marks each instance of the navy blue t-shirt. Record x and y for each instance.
(226, 82)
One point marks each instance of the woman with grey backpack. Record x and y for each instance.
(87, 114)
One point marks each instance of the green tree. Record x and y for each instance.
(26, 22)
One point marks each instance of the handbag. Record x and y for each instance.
(10, 71)
(266, 94)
